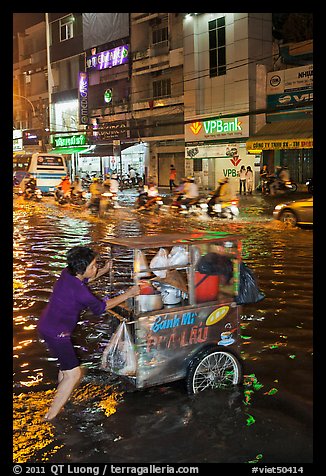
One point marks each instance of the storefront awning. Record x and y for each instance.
(69, 150)
(105, 150)
(295, 134)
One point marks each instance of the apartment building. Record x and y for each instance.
(30, 90)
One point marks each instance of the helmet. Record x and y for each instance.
(114, 176)
(223, 180)
(190, 179)
(95, 179)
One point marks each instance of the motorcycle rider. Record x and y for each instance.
(30, 188)
(222, 193)
(282, 176)
(114, 184)
(76, 186)
(190, 191)
(107, 182)
(65, 185)
(95, 189)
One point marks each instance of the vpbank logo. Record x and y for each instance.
(235, 160)
(196, 127)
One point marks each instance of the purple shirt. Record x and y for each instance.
(70, 296)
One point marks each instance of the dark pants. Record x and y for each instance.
(172, 184)
(242, 185)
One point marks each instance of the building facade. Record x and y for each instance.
(149, 90)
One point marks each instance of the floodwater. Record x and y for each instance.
(266, 420)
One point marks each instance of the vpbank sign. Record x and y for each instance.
(235, 127)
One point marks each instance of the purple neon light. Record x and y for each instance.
(109, 58)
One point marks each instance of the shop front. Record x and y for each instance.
(286, 143)
(71, 146)
(114, 157)
(216, 149)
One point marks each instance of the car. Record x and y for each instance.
(295, 212)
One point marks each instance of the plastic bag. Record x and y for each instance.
(178, 256)
(215, 264)
(141, 265)
(160, 260)
(248, 288)
(119, 355)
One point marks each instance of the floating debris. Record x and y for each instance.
(272, 391)
(250, 420)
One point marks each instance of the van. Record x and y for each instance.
(47, 168)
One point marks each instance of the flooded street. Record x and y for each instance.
(267, 420)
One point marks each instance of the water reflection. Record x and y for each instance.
(103, 421)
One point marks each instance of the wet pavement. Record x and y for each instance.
(267, 420)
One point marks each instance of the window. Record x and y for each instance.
(162, 88)
(160, 35)
(217, 48)
(66, 28)
(198, 165)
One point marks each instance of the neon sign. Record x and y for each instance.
(216, 126)
(83, 98)
(109, 58)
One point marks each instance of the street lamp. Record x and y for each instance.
(41, 142)
(23, 97)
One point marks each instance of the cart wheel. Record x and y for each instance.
(215, 369)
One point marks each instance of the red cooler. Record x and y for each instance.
(206, 287)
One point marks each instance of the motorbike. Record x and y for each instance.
(193, 206)
(35, 195)
(108, 201)
(126, 182)
(143, 199)
(226, 209)
(60, 198)
(78, 199)
(310, 185)
(287, 186)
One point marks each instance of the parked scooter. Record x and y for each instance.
(310, 186)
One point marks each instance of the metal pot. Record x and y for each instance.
(150, 302)
(170, 294)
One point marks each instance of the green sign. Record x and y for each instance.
(69, 141)
(108, 95)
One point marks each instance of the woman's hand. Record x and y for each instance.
(133, 291)
(107, 267)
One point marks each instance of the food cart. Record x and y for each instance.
(185, 322)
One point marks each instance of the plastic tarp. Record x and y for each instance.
(101, 28)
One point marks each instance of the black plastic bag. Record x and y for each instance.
(248, 288)
(215, 264)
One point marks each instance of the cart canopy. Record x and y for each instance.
(171, 239)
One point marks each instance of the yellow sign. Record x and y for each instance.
(217, 315)
(280, 144)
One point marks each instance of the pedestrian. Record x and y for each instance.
(59, 318)
(263, 177)
(132, 175)
(172, 177)
(242, 176)
(249, 179)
